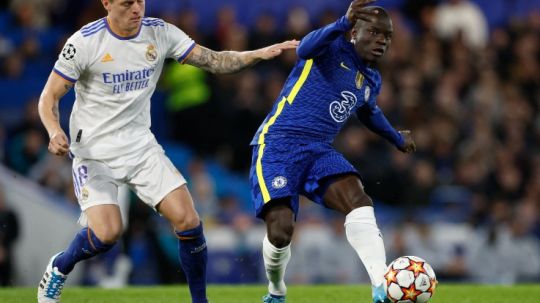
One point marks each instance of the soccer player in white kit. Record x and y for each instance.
(114, 64)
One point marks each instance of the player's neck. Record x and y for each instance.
(119, 31)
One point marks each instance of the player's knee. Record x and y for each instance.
(108, 233)
(186, 221)
(282, 236)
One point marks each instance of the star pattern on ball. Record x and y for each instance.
(391, 276)
(416, 267)
(410, 293)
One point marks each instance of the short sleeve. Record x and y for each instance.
(179, 44)
(72, 59)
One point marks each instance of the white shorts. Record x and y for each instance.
(151, 175)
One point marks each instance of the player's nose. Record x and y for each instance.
(382, 42)
(138, 7)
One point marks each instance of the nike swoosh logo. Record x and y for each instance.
(344, 66)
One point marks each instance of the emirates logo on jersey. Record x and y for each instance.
(151, 53)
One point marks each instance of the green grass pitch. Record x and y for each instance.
(456, 293)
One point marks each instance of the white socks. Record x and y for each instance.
(275, 263)
(365, 237)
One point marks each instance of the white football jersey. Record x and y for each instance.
(114, 79)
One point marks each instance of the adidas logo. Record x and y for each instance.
(107, 58)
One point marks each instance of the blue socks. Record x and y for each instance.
(193, 255)
(84, 246)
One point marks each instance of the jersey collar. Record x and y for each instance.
(118, 36)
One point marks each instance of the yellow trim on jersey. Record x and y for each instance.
(272, 119)
(260, 176)
(262, 185)
(290, 98)
(300, 82)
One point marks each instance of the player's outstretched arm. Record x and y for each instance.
(225, 62)
(374, 119)
(55, 88)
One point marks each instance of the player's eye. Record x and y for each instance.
(373, 32)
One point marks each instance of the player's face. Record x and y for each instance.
(372, 39)
(126, 14)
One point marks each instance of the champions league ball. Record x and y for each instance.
(409, 279)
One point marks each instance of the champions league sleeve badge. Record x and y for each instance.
(151, 53)
(69, 51)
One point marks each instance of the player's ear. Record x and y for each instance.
(354, 31)
(106, 4)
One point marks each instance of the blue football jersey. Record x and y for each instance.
(319, 96)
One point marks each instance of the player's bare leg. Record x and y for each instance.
(346, 195)
(104, 229)
(178, 208)
(279, 219)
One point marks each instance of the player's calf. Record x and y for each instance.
(193, 256)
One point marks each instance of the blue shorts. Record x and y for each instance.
(290, 170)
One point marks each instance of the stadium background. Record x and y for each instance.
(463, 75)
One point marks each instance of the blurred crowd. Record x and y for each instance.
(468, 200)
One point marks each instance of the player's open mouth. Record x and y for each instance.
(378, 52)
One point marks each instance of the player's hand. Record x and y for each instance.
(272, 51)
(356, 11)
(58, 144)
(409, 146)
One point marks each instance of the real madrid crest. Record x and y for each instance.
(359, 80)
(84, 194)
(151, 53)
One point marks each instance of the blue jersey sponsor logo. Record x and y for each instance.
(341, 110)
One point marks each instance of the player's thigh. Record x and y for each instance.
(97, 193)
(154, 178)
(161, 186)
(344, 193)
(178, 208)
(334, 182)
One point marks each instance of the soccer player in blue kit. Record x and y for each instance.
(293, 153)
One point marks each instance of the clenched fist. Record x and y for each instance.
(58, 143)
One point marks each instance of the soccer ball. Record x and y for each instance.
(409, 279)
